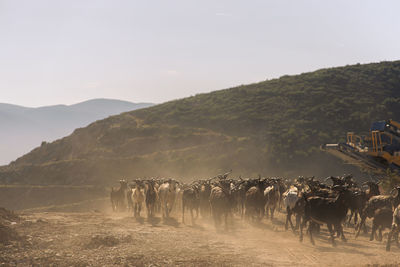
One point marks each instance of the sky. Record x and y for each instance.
(64, 52)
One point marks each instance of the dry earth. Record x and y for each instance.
(103, 238)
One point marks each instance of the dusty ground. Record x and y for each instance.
(101, 238)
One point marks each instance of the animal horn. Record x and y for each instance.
(394, 193)
(397, 192)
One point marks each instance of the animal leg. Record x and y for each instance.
(389, 240)
(166, 210)
(290, 221)
(362, 223)
(356, 217)
(309, 230)
(380, 234)
(191, 215)
(298, 220)
(342, 234)
(350, 216)
(287, 218)
(183, 212)
(301, 231)
(331, 234)
(226, 221)
(373, 232)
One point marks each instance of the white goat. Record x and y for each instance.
(290, 198)
(138, 198)
(167, 195)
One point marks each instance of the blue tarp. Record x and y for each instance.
(378, 126)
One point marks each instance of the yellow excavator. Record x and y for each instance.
(376, 152)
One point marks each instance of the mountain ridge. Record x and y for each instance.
(273, 127)
(23, 128)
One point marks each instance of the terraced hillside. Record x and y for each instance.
(272, 127)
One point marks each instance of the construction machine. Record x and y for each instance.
(376, 152)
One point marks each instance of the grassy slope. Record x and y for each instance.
(271, 127)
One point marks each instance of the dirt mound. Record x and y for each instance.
(98, 241)
(7, 233)
(8, 216)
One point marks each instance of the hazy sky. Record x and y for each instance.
(55, 52)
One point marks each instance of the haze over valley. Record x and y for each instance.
(23, 128)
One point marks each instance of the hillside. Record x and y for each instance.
(273, 127)
(23, 129)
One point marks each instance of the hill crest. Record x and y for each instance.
(272, 127)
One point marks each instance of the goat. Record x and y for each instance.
(117, 197)
(376, 202)
(282, 189)
(191, 201)
(137, 198)
(255, 201)
(151, 198)
(178, 196)
(204, 195)
(290, 198)
(272, 196)
(373, 189)
(240, 195)
(129, 197)
(356, 204)
(382, 219)
(395, 229)
(220, 203)
(166, 193)
(329, 211)
(336, 180)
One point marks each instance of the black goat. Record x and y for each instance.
(191, 201)
(221, 202)
(329, 211)
(204, 196)
(357, 202)
(382, 219)
(255, 201)
(395, 228)
(151, 198)
(377, 202)
(118, 197)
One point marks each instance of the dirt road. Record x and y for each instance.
(104, 239)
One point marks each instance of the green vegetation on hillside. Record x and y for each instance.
(273, 127)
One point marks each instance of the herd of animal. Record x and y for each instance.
(312, 202)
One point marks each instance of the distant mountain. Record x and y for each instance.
(273, 127)
(23, 128)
